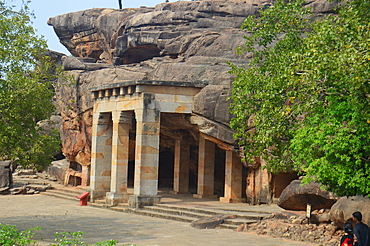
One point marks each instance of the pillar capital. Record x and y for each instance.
(102, 118)
(122, 117)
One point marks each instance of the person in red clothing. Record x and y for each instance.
(348, 238)
(360, 230)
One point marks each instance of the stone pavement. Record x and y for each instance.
(212, 203)
(59, 215)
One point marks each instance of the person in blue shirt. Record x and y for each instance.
(360, 230)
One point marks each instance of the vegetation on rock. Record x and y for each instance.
(26, 90)
(304, 101)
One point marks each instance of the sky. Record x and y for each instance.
(44, 9)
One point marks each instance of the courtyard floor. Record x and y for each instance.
(59, 215)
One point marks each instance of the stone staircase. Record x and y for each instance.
(29, 184)
(65, 193)
(173, 211)
(191, 214)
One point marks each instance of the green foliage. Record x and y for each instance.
(68, 238)
(304, 102)
(75, 238)
(10, 236)
(26, 90)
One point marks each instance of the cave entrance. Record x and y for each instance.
(144, 133)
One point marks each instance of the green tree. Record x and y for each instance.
(26, 82)
(303, 103)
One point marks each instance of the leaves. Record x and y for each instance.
(9, 235)
(26, 90)
(305, 96)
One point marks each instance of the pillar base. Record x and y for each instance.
(136, 201)
(97, 194)
(204, 196)
(113, 198)
(232, 200)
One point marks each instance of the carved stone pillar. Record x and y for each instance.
(120, 153)
(146, 157)
(206, 169)
(101, 155)
(181, 167)
(233, 179)
(85, 179)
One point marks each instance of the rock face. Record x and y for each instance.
(341, 212)
(296, 196)
(183, 41)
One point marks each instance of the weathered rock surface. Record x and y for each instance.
(181, 41)
(58, 169)
(341, 212)
(296, 196)
(54, 123)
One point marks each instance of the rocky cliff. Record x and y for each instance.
(180, 41)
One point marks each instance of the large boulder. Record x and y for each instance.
(341, 212)
(296, 196)
(58, 169)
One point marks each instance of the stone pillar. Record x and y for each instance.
(120, 153)
(101, 155)
(206, 169)
(259, 184)
(265, 184)
(85, 179)
(251, 187)
(146, 157)
(233, 179)
(181, 167)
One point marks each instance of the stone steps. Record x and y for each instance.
(175, 211)
(29, 184)
(181, 218)
(190, 214)
(256, 216)
(65, 193)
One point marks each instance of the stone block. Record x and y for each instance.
(137, 201)
(113, 198)
(6, 180)
(232, 200)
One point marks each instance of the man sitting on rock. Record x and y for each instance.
(360, 230)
